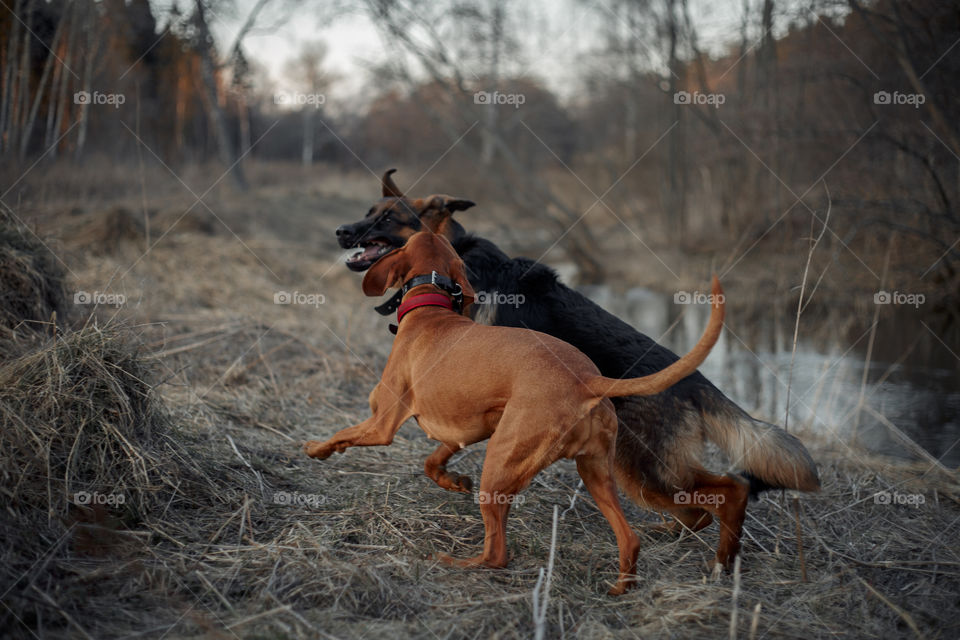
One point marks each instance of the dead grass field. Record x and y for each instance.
(190, 400)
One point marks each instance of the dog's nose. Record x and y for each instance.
(341, 230)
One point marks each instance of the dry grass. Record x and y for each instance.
(190, 401)
(32, 282)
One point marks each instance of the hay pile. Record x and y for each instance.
(32, 283)
(90, 462)
(109, 231)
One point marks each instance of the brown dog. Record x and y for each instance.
(536, 398)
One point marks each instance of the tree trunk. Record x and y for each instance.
(306, 156)
(47, 68)
(90, 53)
(62, 99)
(675, 201)
(20, 100)
(225, 148)
(488, 150)
(9, 78)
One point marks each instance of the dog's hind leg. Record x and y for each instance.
(435, 466)
(513, 457)
(726, 498)
(597, 473)
(692, 518)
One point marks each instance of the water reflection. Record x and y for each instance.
(913, 380)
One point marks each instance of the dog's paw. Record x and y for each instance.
(318, 450)
(716, 570)
(463, 484)
(620, 588)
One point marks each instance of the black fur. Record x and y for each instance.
(650, 426)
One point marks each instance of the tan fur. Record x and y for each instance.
(766, 451)
(536, 398)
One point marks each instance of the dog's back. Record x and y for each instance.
(661, 436)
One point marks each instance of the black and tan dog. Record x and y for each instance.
(660, 437)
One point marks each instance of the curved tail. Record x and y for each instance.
(602, 387)
(770, 457)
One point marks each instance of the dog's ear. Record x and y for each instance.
(453, 204)
(386, 272)
(436, 210)
(390, 189)
(458, 273)
(449, 203)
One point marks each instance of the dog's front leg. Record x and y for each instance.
(389, 413)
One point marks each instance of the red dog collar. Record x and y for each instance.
(422, 300)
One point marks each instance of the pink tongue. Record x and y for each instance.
(370, 253)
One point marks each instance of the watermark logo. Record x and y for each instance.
(495, 297)
(495, 97)
(710, 99)
(696, 498)
(85, 498)
(897, 98)
(696, 297)
(85, 97)
(297, 99)
(485, 497)
(895, 498)
(898, 297)
(99, 298)
(309, 299)
(296, 498)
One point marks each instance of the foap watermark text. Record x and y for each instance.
(695, 498)
(296, 498)
(896, 498)
(896, 98)
(485, 497)
(497, 298)
(84, 498)
(297, 99)
(697, 297)
(296, 297)
(495, 97)
(711, 99)
(99, 298)
(899, 297)
(97, 98)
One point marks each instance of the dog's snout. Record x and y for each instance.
(346, 236)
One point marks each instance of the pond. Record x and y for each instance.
(905, 396)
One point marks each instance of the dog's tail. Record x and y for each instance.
(770, 457)
(602, 387)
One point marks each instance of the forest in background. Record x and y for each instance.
(681, 144)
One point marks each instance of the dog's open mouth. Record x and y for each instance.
(369, 253)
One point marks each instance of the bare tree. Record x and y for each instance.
(41, 86)
(210, 69)
(93, 27)
(307, 71)
(529, 191)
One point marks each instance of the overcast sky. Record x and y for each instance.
(566, 30)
